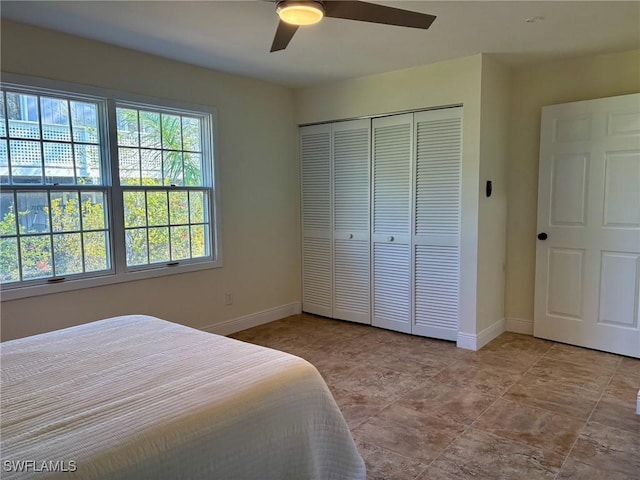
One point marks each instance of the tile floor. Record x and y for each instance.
(520, 408)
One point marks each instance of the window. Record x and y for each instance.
(86, 200)
(162, 178)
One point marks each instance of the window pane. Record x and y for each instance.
(191, 134)
(36, 257)
(135, 209)
(67, 253)
(4, 162)
(180, 243)
(88, 170)
(172, 163)
(171, 132)
(197, 207)
(65, 212)
(151, 167)
(7, 214)
(9, 267)
(136, 245)
(55, 119)
(22, 111)
(58, 163)
(150, 130)
(94, 211)
(127, 119)
(193, 169)
(3, 126)
(33, 216)
(129, 159)
(84, 118)
(198, 241)
(96, 251)
(157, 208)
(178, 208)
(159, 245)
(26, 161)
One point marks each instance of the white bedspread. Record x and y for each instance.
(136, 397)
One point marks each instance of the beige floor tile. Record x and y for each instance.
(517, 364)
(383, 464)
(594, 377)
(480, 455)
(408, 432)
(378, 382)
(573, 470)
(608, 449)
(452, 403)
(582, 356)
(574, 402)
(629, 368)
(485, 380)
(518, 344)
(356, 408)
(617, 407)
(543, 429)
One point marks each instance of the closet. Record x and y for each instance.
(381, 221)
(335, 162)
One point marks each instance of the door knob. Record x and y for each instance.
(542, 236)
(351, 235)
(391, 239)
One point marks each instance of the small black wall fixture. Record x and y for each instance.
(489, 188)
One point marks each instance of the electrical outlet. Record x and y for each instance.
(228, 298)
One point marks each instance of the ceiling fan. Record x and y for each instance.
(293, 14)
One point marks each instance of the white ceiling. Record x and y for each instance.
(235, 36)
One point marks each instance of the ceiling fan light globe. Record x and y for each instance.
(300, 13)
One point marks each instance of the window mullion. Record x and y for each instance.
(41, 139)
(6, 126)
(73, 147)
(116, 218)
(50, 217)
(81, 223)
(18, 234)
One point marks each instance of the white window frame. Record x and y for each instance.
(119, 272)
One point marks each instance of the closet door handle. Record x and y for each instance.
(350, 235)
(391, 239)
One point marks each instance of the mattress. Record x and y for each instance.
(137, 397)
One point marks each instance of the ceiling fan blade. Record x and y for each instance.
(371, 12)
(283, 36)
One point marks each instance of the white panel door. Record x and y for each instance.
(391, 237)
(351, 240)
(436, 239)
(588, 251)
(317, 249)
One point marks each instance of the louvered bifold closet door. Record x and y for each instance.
(391, 239)
(436, 239)
(317, 254)
(351, 180)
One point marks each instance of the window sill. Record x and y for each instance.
(8, 294)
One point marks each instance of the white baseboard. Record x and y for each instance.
(470, 341)
(254, 319)
(520, 325)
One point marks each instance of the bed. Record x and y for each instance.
(136, 397)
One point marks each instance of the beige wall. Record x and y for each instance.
(533, 87)
(257, 141)
(455, 82)
(492, 214)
